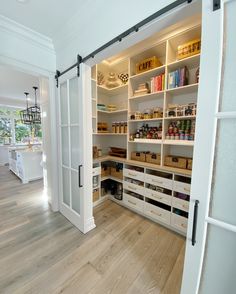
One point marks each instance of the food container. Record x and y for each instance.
(147, 64)
(138, 115)
(175, 161)
(139, 156)
(188, 49)
(154, 158)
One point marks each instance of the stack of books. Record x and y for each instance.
(158, 83)
(142, 89)
(178, 78)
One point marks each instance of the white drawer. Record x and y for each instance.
(179, 222)
(133, 174)
(134, 188)
(158, 181)
(180, 204)
(158, 196)
(157, 213)
(182, 187)
(133, 202)
(96, 171)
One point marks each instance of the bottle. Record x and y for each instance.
(113, 127)
(117, 127)
(125, 129)
(122, 127)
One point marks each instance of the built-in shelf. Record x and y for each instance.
(112, 91)
(111, 134)
(153, 95)
(113, 112)
(111, 178)
(180, 117)
(189, 61)
(179, 142)
(145, 120)
(93, 80)
(94, 99)
(146, 141)
(183, 90)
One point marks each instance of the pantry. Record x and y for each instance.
(144, 108)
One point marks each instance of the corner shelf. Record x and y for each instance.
(112, 91)
(112, 112)
(153, 95)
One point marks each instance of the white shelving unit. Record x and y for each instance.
(128, 103)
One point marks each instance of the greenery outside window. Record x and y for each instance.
(5, 130)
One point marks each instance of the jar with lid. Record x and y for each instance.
(113, 127)
(117, 127)
(138, 115)
(125, 128)
(122, 127)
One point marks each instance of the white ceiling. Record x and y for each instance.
(44, 16)
(13, 84)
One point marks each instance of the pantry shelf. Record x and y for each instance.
(183, 90)
(145, 120)
(113, 112)
(148, 74)
(112, 91)
(111, 178)
(146, 141)
(154, 95)
(111, 134)
(179, 142)
(180, 117)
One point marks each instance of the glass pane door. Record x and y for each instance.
(218, 274)
(70, 144)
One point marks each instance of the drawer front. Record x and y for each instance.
(158, 196)
(179, 222)
(157, 213)
(182, 187)
(96, 171)
(134, 188)
(133, 174)
(133, 202)
(180, 204)
(158, 181)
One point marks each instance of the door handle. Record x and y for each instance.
(79, 175)
(195, 215)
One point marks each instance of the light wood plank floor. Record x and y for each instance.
(41, 252)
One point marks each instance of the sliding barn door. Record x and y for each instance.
(210, 262)
(75, 150)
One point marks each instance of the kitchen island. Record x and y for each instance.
(26, 163)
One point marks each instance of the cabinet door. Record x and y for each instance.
(210, 262)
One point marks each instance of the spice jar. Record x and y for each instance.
(117, 127)
(125, 130)
(122, 127)
(113, 127)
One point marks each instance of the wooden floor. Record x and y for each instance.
(41, 252)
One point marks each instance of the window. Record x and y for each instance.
(5, 130)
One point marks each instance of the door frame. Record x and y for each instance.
(42, 74)
(85, 220)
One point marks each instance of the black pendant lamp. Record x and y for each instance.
(24, 114)
(34, 111)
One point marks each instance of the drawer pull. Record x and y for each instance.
(187, 189)
(131, 174)
(183, 226)
(132, 188)
(185, 206)
(156, 213)
(131, 202)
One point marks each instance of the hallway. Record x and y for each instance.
(41, 252)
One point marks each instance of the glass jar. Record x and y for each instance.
(117, 127)
(126, 128)
(113, 127)
(122, 127)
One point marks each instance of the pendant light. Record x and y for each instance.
(24, 114)
(34, 111)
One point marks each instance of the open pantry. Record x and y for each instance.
(144, 108)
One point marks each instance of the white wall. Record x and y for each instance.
(97, 23)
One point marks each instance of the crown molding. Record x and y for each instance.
(20, 31)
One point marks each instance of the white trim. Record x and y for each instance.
(13, 28)
(231, 114)
(221, 224)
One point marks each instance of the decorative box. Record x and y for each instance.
(188, 49)
(147, 64)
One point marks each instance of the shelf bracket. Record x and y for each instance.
(216, 5)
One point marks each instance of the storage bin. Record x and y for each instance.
(147, 64)
(174, 161)
(139, 156)
(188, 49)
(154, 158)
(95, 195)
(189, 164)
(117, 174)
(105, 171)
